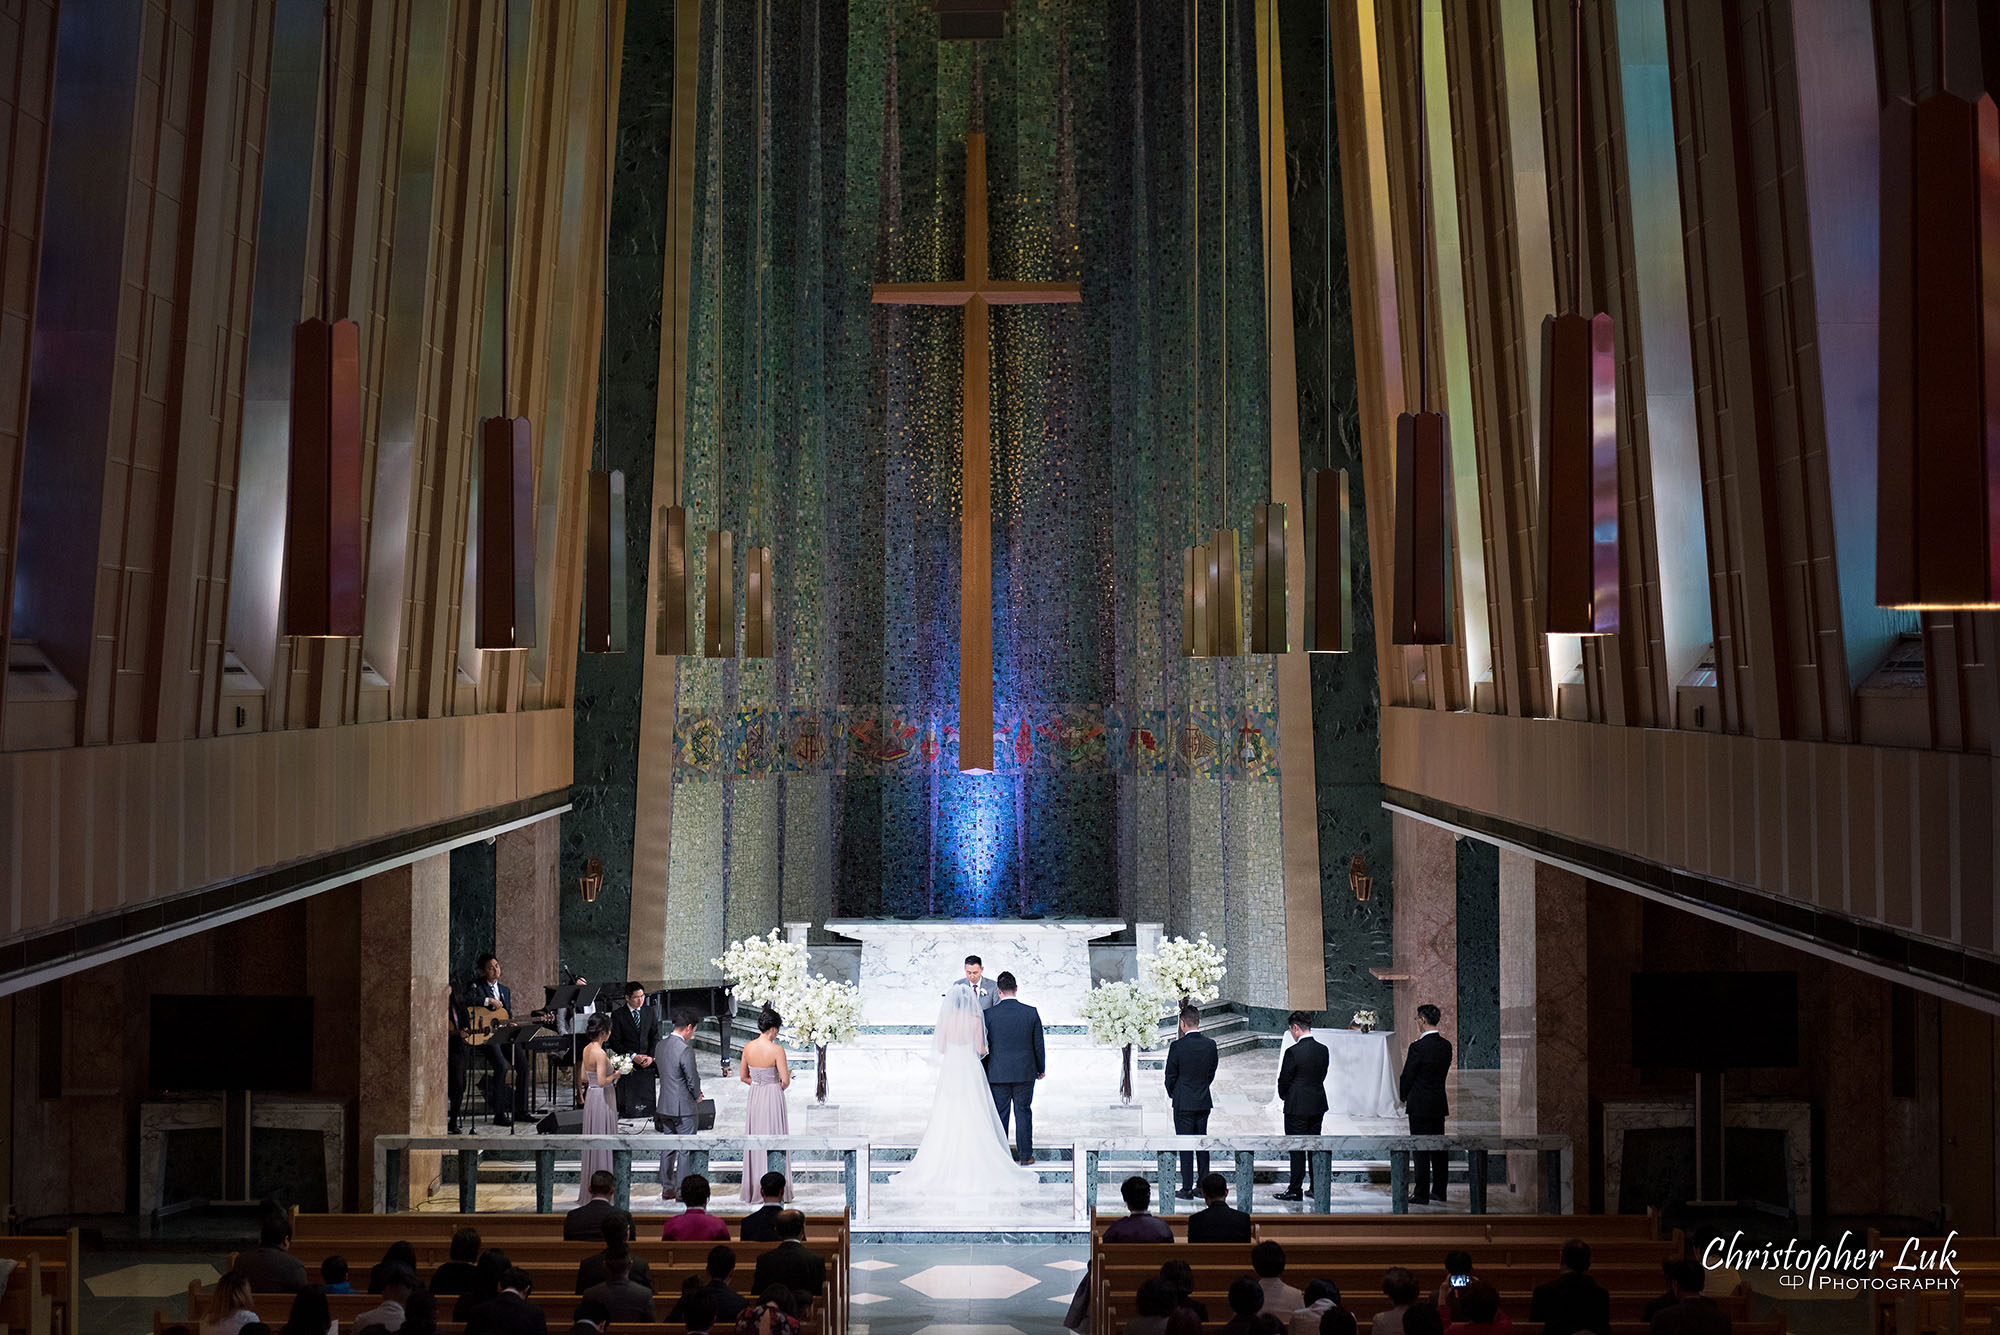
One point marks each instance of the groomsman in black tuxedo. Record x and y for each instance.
(635, 1032)
(1302, 1085)
(1422, 1088)
(1190, 1071)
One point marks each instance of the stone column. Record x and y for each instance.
(1544, 1013)
(1425, 908)
(405, 974)
(526, 916)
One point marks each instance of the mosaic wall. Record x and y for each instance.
(823, 782)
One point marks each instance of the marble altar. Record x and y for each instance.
(906, 966)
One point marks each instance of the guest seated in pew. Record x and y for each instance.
(420, 1314)
(1692, 1311)
(591, 1318)
(1479, 1311)
(400, 1257)
(1179, 1276)
(1246, 1301)
(333, 1275)
(510, 1312)
(697, 1312)
(727, 1302)
(1155, 1303)
(1423, 1318)
(1458, 1277)
(1183, 1321)
(270, 1266)
(1217, 1223)
(586, 1222)
(1575, 1302)
(398, 1282)
(1323, 1314)
(761, 1224)
(229, 1309)
(593, 1272)
(456, 1275)
(790, 1264)
(310, 1314)
(1138, 1226)
(487, 1277)
(625, 1300)
(1280, 1298)
(695, 1223)
(775, 1313)
(1399, 1286)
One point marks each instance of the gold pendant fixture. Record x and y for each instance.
(1267, 581)
(1225, 594)
(1329, 570)
(720, 640)
(1196, 627)
(760, 633)
(675, 615)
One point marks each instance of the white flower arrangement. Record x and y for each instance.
(820, 1011)
(1122, 1013)
(621, 1064)
(1183, 968)
(764, 970)
(1365, 1020)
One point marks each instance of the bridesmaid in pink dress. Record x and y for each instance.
(600, 1099)
(767, 1074)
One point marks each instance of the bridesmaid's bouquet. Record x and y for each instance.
(621, 1064)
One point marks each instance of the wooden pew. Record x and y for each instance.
(1467, 1231)
(43, 1295)
(560, 1308)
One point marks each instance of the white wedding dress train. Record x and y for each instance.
(964, 1153)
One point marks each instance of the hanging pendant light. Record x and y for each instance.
(1578, 533)
(1329, 572)
(719, 621)
(604, 630)
(760, 635)
(1268, 572)
(506, 568)
(324, 579)
(1329, 619)
(1423, 473)
(1197, 629)
(1938, 457)
(1225, 554)
(675, 617)
(1197, 587)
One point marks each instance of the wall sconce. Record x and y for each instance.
(1359, 881)
(592, 879)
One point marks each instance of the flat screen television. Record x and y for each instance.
(214, 1043)
(1715, 1021)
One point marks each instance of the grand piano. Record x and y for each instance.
(710, 996)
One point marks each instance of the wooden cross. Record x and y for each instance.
(976, 291)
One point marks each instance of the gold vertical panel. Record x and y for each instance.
(1268, 591)
(975, 596)
(674, 614)
(760, 637)
(1329, 564)
(719, 633)
(1196, 627)
(1225, 594)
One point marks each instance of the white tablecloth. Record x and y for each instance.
(1360, 1073)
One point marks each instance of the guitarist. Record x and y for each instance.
(487, 1002)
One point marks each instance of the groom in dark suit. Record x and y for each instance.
(1015, 1060)
(1422, 1087)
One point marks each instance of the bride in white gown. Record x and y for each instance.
(964, 1151)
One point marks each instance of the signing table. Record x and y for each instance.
(1360, 1073)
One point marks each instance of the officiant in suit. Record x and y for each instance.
(1302, 1085)
(635, 1032)
(976, 979)
(1422, 1089)
(1015, 1060)
(680, 1093)
(1191, 1062)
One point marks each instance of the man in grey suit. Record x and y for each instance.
(680, 1093)
(975, 978)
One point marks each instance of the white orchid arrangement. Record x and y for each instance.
(764, 969)
(1122, 1013)
(1183, 968)
(821, 1011)
(1365, 1020)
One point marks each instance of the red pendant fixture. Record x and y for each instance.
(1938, 451)
(1577, 538)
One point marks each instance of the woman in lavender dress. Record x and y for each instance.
(765, 1071)
(600, 1099)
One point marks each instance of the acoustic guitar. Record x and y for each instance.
(482, 1022)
